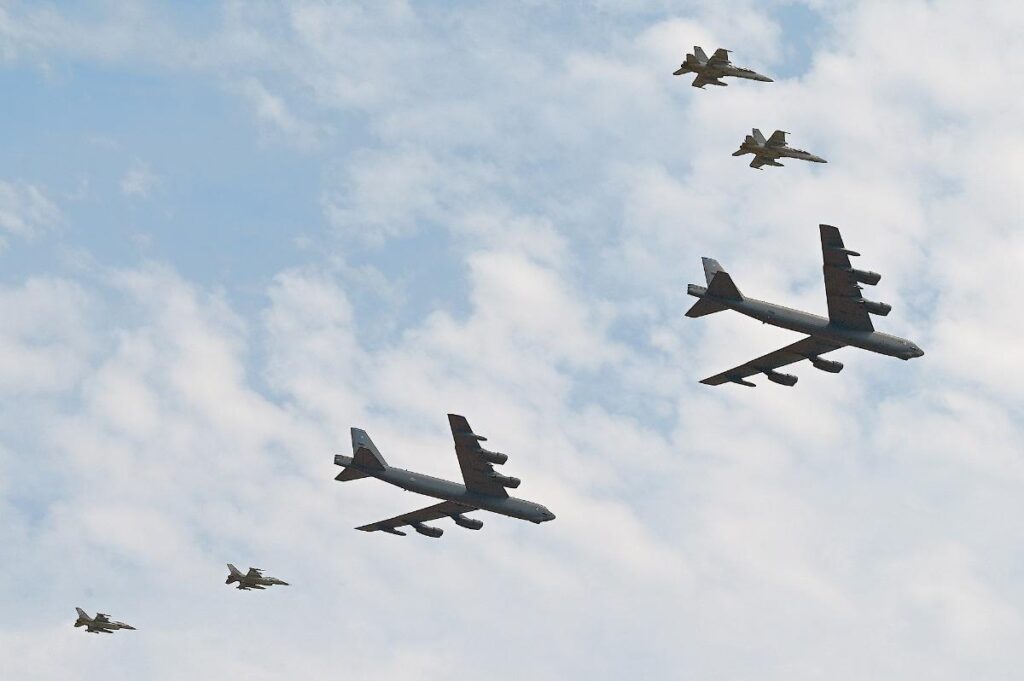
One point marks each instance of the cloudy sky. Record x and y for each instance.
(230, 233)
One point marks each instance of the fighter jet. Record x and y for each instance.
(253, 579)
(848, 322)
(709, 71)
(101, 624)
(484, 489)
(766, 152)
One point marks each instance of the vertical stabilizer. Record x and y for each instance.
(699, 54)
(365, 453)
(758, 137)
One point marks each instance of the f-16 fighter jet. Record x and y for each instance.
(848, 323)
(101, 624)
(709, 71)
(484, 489)
(253, 579)
(766, 152)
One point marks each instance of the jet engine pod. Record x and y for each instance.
(427, 530)
(468, 523)
(781, 379)
(826, 365)
(493, 457)
(880, 309)
(506, 481)
(865, 277)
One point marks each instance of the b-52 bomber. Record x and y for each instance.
(767, 152)
(253, 579)
(101, 624)
(848, 322)
(484, 489)
(710, 71)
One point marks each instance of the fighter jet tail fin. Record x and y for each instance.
(699, 53)
(758, 137)
(365, 453)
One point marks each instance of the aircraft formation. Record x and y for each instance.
(848, 324)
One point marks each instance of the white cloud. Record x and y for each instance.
(857, 525)
(25, 211)
(139, 180)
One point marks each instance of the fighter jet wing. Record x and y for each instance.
(701, 80)
(802, 349)
(443, 510)
(101, 618)
(778, 139)
(845, 303)
(476, 472)
(253, 573)
(719, 58)
(758, 161)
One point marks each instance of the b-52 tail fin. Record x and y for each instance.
(365, 456)
(720, 285)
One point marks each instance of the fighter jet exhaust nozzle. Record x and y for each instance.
(468, 523)
(506, 481)
(865, 277)
(496, 458)
(780, 378)
(880, 309)
(427, 530)
(826, 365)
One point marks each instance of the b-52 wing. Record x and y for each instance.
(803, 349)
(477, 472)
(845, 303)
(445, 509)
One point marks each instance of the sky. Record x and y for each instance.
(230, 232)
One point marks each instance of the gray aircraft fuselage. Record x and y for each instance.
(447, 490)
(814, 325)
(773, 153)
(716, 72)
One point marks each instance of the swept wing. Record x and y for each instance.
(443, 510)
(778, 139)
(719, 58)
(477, 472)
(845, 303)
(802, 349)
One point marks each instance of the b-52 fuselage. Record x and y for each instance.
(848, 323)
(484, 489)
(709, 71)
(767, 152)
(101, 624)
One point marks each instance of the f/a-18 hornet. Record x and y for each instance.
(709, 71)
(253, 579)
(484, 489)
(848, 323)
(767, 152)
(101, 624)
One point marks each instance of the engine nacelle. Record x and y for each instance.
(781, 379)
(865, 277)
(880, 309)
(493, 457)
(826, 365)
(506, 481)
(427, 530)
(468, 523)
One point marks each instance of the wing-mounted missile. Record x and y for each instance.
(780, 378)
(428, 530)
(468, 523)
(497, 458)
(880, 309)
(506, 481)
(826, 364)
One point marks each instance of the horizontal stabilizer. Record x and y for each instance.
(350, 474)
(705, 306)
